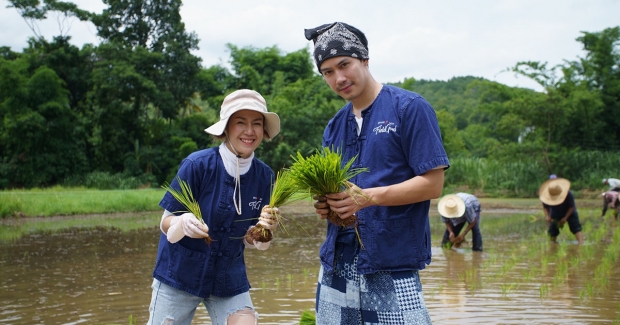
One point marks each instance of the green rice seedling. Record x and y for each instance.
(544, 262)
(507, 288)
(283, 191)
(543, 289)
(602, 271)
(526, 275)
(589, 289)
(599, 234)
(473, 286)
(186, 198)
(432, 292)
(471, 274)
(586, 252)
(561, 252)
(307, 318)
(561, 273)
(323, 173)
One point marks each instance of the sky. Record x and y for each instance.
(432, 40)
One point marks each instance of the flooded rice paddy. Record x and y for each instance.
(103, 276)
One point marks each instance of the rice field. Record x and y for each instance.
(89, 270)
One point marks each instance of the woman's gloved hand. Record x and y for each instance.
(186, 225)
(269, 217)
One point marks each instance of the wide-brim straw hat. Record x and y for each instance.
(245, 99)
(554, 191)
(451, 206)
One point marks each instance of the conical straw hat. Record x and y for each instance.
(451, 206)
(554, 191)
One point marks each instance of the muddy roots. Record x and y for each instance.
(336, 220)
(258, 234)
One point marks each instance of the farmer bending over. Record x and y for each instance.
(610, 199)
(456, 210)
(614, 184)
(559, 207)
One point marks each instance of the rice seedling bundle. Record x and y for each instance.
(283, 191)
(323, 173)
(307, 318)
(186, 198)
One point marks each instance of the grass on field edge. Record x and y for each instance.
(79, 201)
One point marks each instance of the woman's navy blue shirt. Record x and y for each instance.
(219, 268)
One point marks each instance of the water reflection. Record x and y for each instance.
(103, 276)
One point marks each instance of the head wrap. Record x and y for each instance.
(337, 39)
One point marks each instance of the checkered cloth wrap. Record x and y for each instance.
(345, 297)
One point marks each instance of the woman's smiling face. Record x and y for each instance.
(245, 129)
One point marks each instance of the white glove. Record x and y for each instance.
(269, 218)
(258, 245)
(186, 225)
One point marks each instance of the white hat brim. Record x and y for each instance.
(552, 200)
(460, 206)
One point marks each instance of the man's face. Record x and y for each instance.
(347, 76)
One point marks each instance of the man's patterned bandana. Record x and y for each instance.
(337, 39)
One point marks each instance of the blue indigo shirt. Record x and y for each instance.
(399, 139)
(219, 268)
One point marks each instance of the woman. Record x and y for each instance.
(230, 186)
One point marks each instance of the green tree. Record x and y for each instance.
(256, 68)
(144, 70)
(601, 70)
(304, 106)
(34, 10)
(71, 64)
(39, 141)
(452, 141)
(583, 95)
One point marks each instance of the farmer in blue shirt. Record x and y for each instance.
(456, 210)
(371, 277)
(559, 207)
(231, 186)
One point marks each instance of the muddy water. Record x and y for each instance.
(103, 276)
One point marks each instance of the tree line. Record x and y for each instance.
(133, 106)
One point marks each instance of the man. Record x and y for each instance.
(614, 184)
(610, 199)
(559, 207)
(369, 271)
(456, 210)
